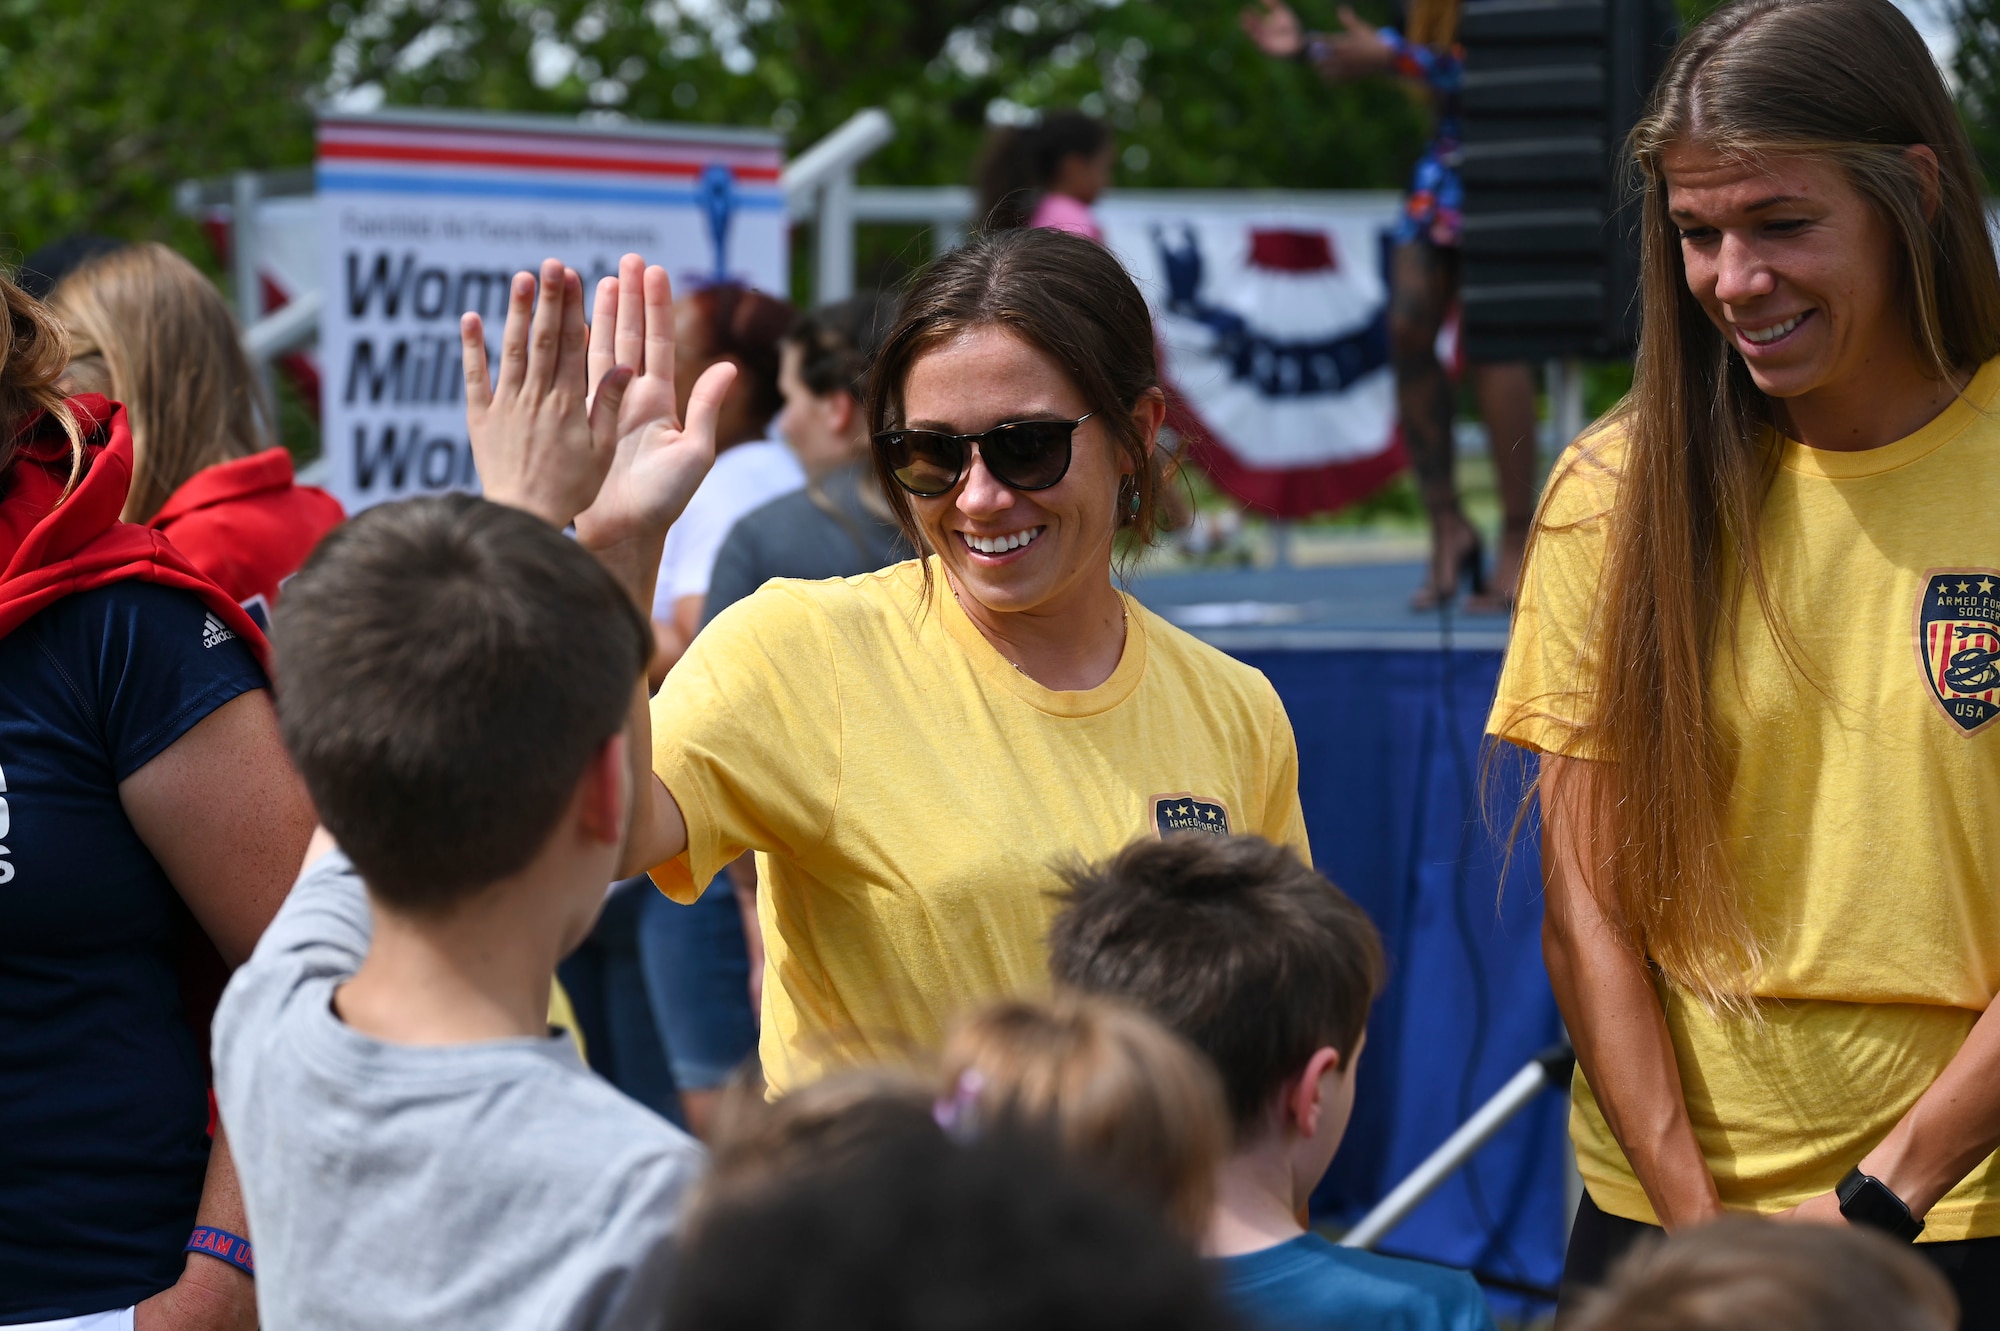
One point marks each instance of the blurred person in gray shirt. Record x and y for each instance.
(839, 524)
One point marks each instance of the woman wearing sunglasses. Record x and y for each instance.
(914, 752)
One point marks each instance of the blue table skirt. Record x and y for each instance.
(1391, 762)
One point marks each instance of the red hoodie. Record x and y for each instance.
(246, 524)
(50, 549)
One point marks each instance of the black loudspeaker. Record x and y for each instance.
(1551, 246)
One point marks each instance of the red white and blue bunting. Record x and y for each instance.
(1272, 316)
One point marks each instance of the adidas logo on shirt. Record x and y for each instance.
(214, 632)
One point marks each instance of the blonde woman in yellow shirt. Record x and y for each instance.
(1758, 651)
(912, 753)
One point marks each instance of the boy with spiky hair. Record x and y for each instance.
(1270, 970)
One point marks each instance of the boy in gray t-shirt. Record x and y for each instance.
(416, 1149)
(493, 1184)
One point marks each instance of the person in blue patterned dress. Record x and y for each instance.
(1423, 286)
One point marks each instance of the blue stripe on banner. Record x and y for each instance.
(361, 182)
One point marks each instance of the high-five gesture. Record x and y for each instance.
(540, 440)
(659, 460)
(617, 461)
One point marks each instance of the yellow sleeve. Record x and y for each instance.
(1550, 671)
(746, 736)
(562, 1017)
(1284, 819)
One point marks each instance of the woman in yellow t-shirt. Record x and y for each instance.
(1758, 651)
(912, 753)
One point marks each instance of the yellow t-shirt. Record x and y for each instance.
(911, 794)
(1864, 816)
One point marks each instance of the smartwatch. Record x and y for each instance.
(1867, 1200)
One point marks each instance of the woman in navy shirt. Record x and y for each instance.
(145, 802)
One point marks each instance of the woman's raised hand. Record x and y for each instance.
(1358, 49)
(541, 440)
(658, 460)
(1275, 28)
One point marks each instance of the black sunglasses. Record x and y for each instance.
(1022, 455)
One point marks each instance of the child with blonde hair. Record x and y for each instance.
(1106, 1085)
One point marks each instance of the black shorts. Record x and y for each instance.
(1597, 1241)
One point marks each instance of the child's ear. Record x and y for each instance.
(606, 791)
(1304, 1098)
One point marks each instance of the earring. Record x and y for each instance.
(1128, 501)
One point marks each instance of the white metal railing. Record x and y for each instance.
(819, 184)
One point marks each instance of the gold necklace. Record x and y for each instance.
(1124, 628)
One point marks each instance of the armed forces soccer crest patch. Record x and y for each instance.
(1185, 813)
(1958, 643)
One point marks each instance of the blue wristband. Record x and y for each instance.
(224, 1247)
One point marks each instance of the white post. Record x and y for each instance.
(947, 232)
(1566, 400)
(819, 183)
(249, 283)
(243, 250)
(835, 236)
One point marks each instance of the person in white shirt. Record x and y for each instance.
(724, 322)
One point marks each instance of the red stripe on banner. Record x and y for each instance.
(385, 152)
(1292, 251)
(1290, 492)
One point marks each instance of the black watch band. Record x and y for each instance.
(1867, 1200)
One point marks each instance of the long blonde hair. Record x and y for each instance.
(1113, 1089)
(32, 360)
(147, 329)
(1844, 81)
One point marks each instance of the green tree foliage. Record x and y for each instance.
(1195, 104)
(1977, 68)
(105, 105)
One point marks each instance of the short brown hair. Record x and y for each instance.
(1113, 1089)
(821, 1125)
(1741, 1274)
(916, 1234)
(837, 343)
(1061, 294)
(147, 329)
(445, 669)
(745, 325)
(1234, 943)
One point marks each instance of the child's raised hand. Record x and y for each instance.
(661, 456)
(541, 440)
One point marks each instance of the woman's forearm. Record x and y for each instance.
(1621, 1041)
(1952, 1127)
(211, 1294)
(1608, 1002)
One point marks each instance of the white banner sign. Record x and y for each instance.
(425, 216)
